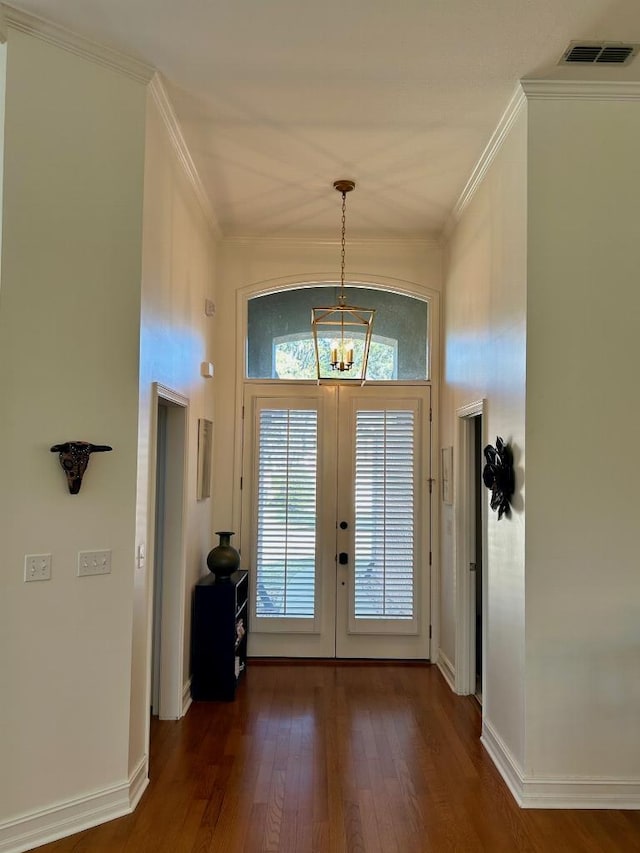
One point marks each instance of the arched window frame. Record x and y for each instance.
(392, 285)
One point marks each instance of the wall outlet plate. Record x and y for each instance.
(94, 563)
(37, 567)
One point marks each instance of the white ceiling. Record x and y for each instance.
(278, 98)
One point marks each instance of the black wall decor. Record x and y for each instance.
(498, 476)
(74, 458)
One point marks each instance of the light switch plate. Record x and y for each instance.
(94, 563)
(37, 567)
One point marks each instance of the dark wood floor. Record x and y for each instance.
(323, 757)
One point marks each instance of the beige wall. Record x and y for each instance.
(535, 267)
(176, 336)
(550, 239)
(484, 357)
(3, 86)
(69, 340)
(583, 582)
(80, 345)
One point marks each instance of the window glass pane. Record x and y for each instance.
(384, 513)
(286, 547)
(294, 357)
(280, 344)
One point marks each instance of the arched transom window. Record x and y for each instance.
(280, 343)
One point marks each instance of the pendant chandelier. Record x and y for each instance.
(342, 333)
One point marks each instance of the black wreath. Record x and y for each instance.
(499, 477)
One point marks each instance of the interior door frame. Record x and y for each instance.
(311, 278)
(277, 643)
(464, 514)
(172, 632)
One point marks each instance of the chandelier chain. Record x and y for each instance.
(344, 323)
(343, 252)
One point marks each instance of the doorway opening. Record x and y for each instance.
(168, 574)
(477, 578)
(336, 513)
(470, 549)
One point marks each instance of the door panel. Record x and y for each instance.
(288, 495)
(335, 518)
(383, 589)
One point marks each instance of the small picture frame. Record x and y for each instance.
(447, 474)
(205, 436)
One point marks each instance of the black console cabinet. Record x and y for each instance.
(219, 636)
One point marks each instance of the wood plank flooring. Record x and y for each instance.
(339, 758)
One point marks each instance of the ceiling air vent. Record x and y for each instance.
(602, 53)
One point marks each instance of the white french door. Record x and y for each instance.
(336, 520)
(382, 601)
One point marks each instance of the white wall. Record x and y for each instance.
(484, 357)
(283, 262)
(176, 336)
(550, 237)
(3, 87)
(69, 339)
(583, 410)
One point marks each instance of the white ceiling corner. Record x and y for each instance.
(272, 102)
(75, 43)
(174, 131)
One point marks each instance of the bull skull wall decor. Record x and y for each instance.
(74, 458)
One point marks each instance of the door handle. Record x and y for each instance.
(343, 558)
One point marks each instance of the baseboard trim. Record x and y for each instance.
(569, 793)
(138, 782)
(507, 766)
(447, 669)
(42, 827)
(64, 819)
(186, 697)
(581, 794)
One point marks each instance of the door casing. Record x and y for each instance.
(465, 541)
(333, 578)
(171, 628)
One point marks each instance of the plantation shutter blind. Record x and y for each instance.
(385, 512)
(286, 513)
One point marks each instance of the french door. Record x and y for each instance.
(336, 520)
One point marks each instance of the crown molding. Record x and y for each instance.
(170, 120)
(509, 116)
(428, 242)
(531, 90)
(590, 90)
(32, 25)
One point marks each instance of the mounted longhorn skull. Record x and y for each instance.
(74, 458)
